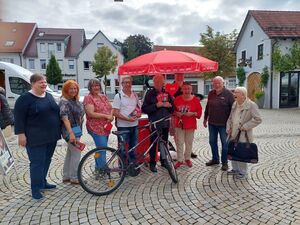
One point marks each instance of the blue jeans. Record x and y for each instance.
(213, 141)
(100, 141)
(131, 140)
(40, 158)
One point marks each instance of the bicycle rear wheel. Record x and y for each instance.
(168, 161)
(101, 171)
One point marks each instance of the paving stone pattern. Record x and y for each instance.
(204, 195)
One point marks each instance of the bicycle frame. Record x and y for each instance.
(157, 140)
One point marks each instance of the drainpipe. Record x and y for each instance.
(273, 43)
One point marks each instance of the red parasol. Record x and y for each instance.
(167, 62)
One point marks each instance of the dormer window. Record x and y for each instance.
(14, 30)
(9, 43)
(251, 33)
(41, 34)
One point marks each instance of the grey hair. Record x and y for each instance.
(219, 78)
(242, 90)
(125, 77)
(93, 82)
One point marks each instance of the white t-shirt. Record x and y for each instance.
(126, 105)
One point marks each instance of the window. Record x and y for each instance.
(42, 47)
(100, 44)
(260, 51)
(51, 49)
(251, 33)
(58, 47)
(18, 85)
(71, 64)
(10, 60)
(60, 63)
(86, 65)
(117, 83)
(31, 64)
(9, 43)
(244, 55)
(43, 64)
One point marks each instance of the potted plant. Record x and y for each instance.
(260, 94)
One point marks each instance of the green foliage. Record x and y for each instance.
(241, 75)
(53, 72)
(136, 45)
(264, 77)
(286, 62)
(104, 64)
(219, 47)
(259, 94)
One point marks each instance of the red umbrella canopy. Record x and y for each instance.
(167, 61)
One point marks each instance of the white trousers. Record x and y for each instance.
(241, 167)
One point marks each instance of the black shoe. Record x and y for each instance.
(224, 166)
(48, 186)
(153, 168)
(212, 162)
(193, 155)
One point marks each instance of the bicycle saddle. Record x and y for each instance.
(118, 133)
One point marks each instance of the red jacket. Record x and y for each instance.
(192, 105)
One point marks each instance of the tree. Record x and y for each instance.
(53, 72)
(134, 46)
(104, 64)
(219, 47)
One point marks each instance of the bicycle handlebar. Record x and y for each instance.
(155, 122)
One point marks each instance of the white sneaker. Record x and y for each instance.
(233, 172)
(241, 176)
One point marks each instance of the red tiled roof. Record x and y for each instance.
(75, 39)
(190, 49)
(17, 33)
(284, 24)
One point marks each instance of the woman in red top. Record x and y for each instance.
(98, 117)
(187, 110)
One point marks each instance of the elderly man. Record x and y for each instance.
(217, 111)
(127, 110)
(158, 104)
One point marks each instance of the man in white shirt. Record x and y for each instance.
(127, 110)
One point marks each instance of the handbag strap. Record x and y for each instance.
(237, 138)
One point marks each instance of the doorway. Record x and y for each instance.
(289, 90)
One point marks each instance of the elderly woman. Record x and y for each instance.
(244, 116)
(187, 110)
(98, 117)
(37, 125)
(71, 113)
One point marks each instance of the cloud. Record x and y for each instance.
(173, 22)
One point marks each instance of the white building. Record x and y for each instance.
(26, 45)
(261, 31)
(86, 56)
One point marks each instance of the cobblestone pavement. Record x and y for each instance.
(204, 195)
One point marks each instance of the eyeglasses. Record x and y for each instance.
(126, 82)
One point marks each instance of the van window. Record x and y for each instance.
(18, 85)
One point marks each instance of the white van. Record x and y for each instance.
(16, 80)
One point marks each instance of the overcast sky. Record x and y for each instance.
(168, 22)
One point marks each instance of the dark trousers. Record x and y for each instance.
(40, 159)
(130, 139)
(152, 152)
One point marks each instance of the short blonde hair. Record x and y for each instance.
(122, 78)
(243, 90)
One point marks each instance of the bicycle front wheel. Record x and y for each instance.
(101, 171)
(168, 161)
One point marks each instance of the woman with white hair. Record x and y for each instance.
(244, 117)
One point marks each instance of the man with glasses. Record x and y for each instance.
(127, 110)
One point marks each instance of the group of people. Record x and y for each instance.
(40, 122)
